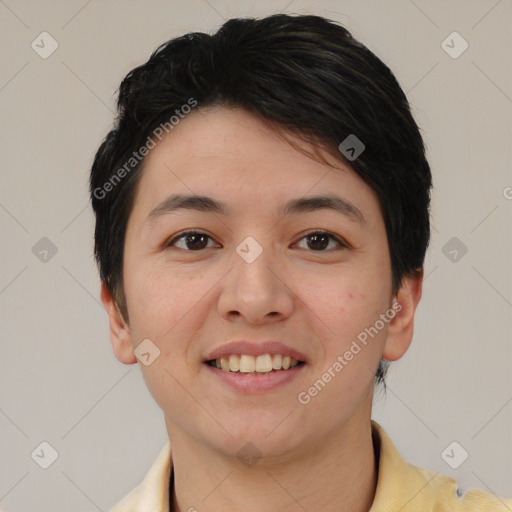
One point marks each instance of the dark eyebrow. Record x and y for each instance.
(180, 202)
(325, 202)
(304, 204)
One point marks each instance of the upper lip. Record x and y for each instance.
(255, 349)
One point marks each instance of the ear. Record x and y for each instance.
(120, 335)
(401, 327)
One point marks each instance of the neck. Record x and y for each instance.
(337, 472)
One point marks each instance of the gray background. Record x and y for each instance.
(60, 381)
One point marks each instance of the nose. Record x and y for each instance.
(256, 292)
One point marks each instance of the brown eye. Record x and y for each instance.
(192, 241)
(319, 240)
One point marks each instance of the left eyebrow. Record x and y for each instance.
(325, 202)
(304, 204)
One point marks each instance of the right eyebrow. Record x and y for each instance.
(194, 202)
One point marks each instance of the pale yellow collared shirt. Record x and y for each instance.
(401, 487)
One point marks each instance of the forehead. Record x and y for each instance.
(235, 156)
(217, 132)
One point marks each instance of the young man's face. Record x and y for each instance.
(303, 296)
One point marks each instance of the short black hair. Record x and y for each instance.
(302, 74)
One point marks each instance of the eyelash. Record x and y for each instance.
(184, 234)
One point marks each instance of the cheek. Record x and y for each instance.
(346, 302)
(166, 307)
(159, 302)
(352, 349)
(348, 305)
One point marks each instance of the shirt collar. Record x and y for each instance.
(400, 486)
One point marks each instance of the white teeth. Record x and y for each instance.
(264, 363)
(234, 363)
(245, 363)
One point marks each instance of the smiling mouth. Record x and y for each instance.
(254, 365)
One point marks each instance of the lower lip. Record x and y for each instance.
(256, 383)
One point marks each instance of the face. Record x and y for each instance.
(265, 281)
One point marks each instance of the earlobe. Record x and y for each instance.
(401, 327)
(120, 335)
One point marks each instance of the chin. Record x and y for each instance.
(266, 431)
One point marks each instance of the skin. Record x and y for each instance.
(317, 456)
